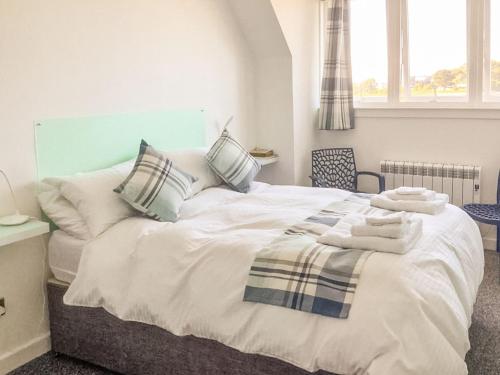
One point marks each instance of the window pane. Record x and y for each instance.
(494, 71)
(437, 50)
(369, 50)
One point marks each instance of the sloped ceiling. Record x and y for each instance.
(261, 27)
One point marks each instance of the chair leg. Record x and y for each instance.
(498, 251)
(498, 238)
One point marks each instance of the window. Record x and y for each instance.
(425, 53)
(369, 50)
(434, 45)
(492, 51)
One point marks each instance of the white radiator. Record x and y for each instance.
(460, 182)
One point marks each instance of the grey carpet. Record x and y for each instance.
(484, 356)
(482, 359)
(58, 364)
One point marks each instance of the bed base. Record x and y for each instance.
(95, 336)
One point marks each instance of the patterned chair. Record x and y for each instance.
(487, 213)
(336, 168)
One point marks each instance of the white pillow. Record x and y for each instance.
(92, 195)
(194, 162)
(61, 211)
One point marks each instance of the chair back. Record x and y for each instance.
(336, 167)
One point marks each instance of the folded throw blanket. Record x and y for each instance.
(340, 236)
(296, 272)
(424, 207)
(410, 190)
(428, 195)
(395, 218)
(386, 231)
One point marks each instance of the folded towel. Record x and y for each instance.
(427, 195)
(340, 235)
(395, 218)
(424, 207)
(410, 190)
(386, 231)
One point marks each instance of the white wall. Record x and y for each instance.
(299, 20)
(284, 37)
(73, 58)
(275, 117)
(274, 82)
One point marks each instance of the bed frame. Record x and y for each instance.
(68, 146)
(94, 335)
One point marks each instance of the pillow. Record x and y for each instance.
(193, 161)
(231, 162)
(61, 211)
(155, 186)
(91, 193)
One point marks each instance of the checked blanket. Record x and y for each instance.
(295, 271)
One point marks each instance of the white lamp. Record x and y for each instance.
(17, 218)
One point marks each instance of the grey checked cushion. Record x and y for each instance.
(232, 163)
(155, 187)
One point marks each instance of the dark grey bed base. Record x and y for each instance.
(95, 336)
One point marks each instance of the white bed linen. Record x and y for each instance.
(410, 313)
(65, 252)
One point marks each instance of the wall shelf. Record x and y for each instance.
(268, 160)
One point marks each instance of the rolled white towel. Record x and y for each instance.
(424, 207)
(410, 190)
(427, 195)
(386, 231)
(395, 218)
(340, 236)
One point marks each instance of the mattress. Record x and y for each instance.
(65, 252)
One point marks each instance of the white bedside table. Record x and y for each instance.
(21, 232)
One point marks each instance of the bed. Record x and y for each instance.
(156, 298)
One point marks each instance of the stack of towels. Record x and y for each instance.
(394, 233)
(412, 199)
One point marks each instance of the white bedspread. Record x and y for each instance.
(410, 313)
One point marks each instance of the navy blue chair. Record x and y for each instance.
(487, 213)
(336, 168)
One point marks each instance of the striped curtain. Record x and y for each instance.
(336, 110)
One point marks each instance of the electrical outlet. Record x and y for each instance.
(2, 306)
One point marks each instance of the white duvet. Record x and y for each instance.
(410, 313)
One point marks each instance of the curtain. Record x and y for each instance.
(336, 109)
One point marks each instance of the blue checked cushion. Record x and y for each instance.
(155, 187)
(232, 163)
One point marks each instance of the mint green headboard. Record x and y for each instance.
(68, 146)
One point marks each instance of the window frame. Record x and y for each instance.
(381, 101)
(405, 64)
(478, 61)
(489, 96)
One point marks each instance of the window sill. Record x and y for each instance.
(420, 112)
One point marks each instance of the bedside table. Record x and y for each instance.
(21, 232)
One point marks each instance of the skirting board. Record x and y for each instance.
(24, 353)
(490, 243)
(489, 235)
